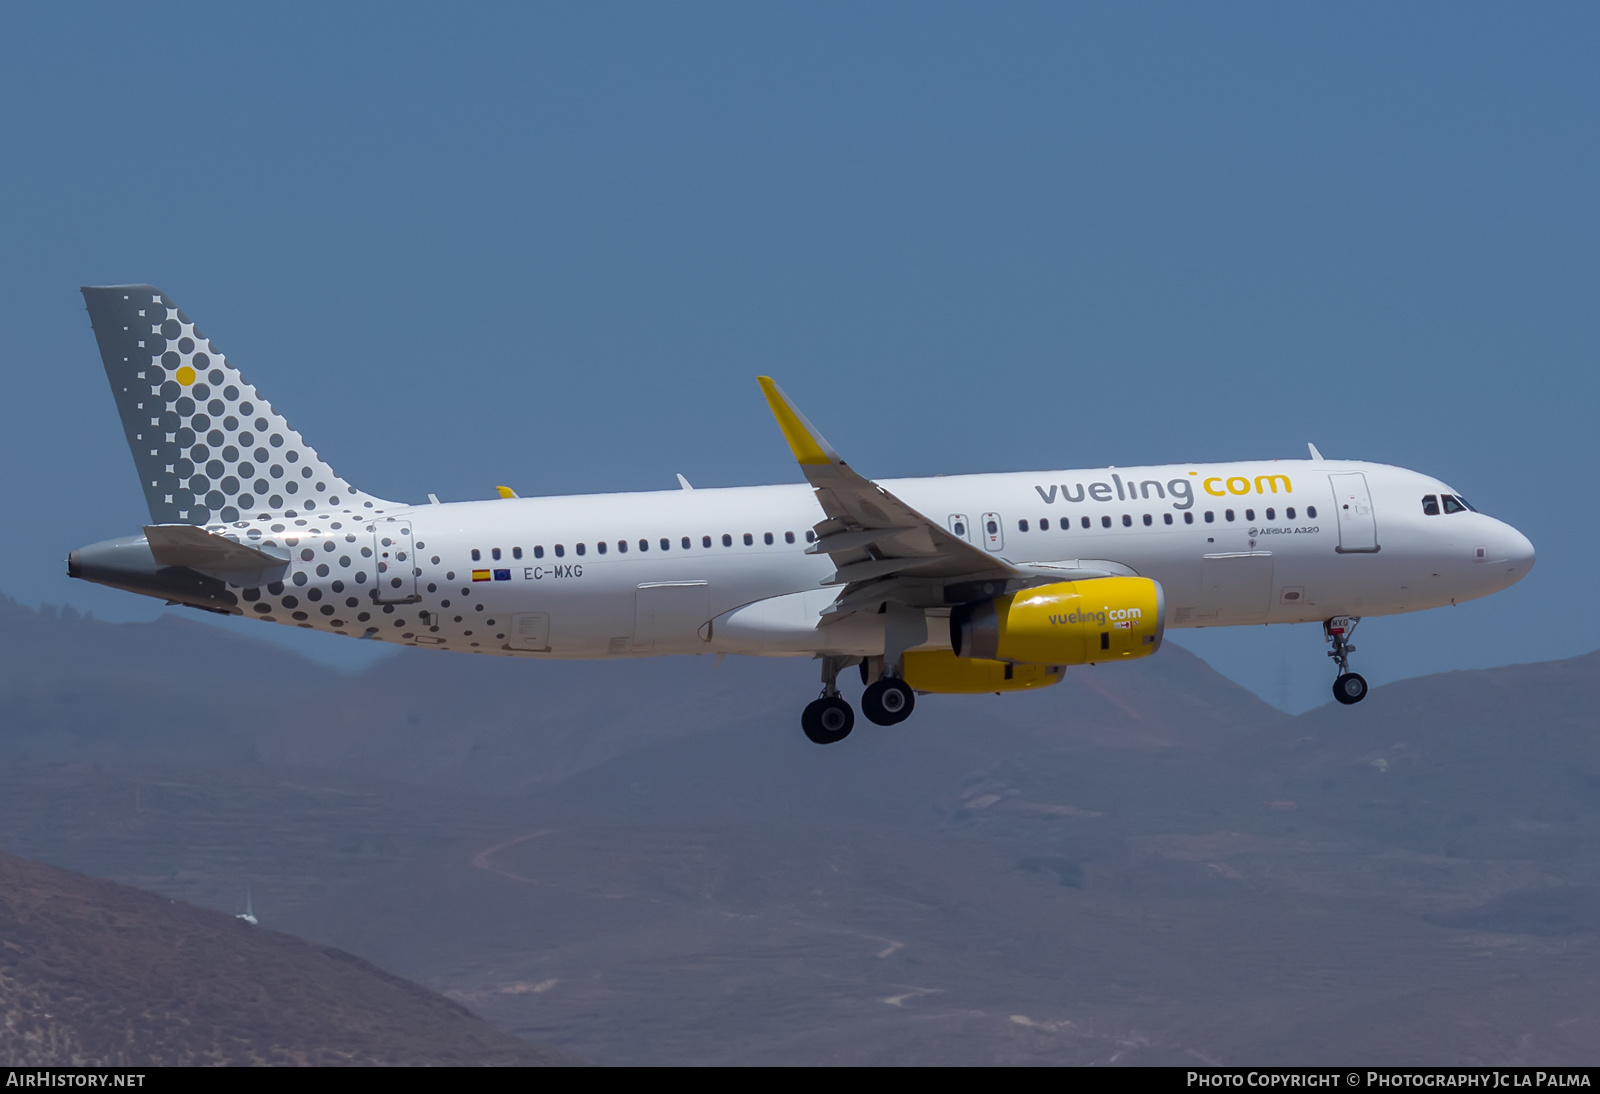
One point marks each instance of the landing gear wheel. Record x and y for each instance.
(827, 720)
(1350, 688)
(888, 702)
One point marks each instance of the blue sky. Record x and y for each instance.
(552, 246)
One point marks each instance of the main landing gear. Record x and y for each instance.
(1349, 687)
(829, 719)
(888, 701)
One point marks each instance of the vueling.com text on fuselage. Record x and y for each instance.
(1180, 491)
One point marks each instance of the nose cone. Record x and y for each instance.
(1518, 553)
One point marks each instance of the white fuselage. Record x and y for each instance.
(693, 571)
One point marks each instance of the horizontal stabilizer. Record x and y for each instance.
(213, 555)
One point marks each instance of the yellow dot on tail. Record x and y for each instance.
(186, 376)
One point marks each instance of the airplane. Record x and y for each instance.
(956, 584)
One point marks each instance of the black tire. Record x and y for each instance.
(827, 720)
(1350, 688)
(888, 702)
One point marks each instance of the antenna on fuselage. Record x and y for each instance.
(683, 483)
(249, 915)
(1314, 453)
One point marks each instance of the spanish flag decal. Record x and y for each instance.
(480, 575)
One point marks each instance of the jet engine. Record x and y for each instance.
(1067, 623)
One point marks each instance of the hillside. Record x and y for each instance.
(93, 973)
(644, 861)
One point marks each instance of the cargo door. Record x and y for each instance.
(669, 614)
(1358, 526)
(396, 580)
(530, 631)
(1235, 587)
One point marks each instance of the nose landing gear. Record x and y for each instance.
(1349, 687)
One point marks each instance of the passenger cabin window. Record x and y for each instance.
(1022, 526)
(1086, 522)
(1105, 522)
(1272, 514)
(1127, 521)
(727, 540)
(1452, 504)
(579, 548)
(622, 546)
(685, 543)
(705, 541)
(476, 554)
(811, 537)
(516, 552)
(1430, 505)
(495, 554)
(666, 544)
(788, 537)
(1289, 512)
(1211, 518)
(1227, 514)
(1148, 520)
(561, 552)
(1188, 518)
(1311, 511)
(749, 539)
(599, 547)
(1044, 524)
(644, 545)
(767, 539)
(538, 552)
(1249, 514)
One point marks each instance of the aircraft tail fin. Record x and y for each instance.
(207, 446)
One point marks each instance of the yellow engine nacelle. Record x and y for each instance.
(1068, 623)
(943, 673)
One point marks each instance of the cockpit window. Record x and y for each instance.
(1467, 503)
(1430, 505)
(1451, 504)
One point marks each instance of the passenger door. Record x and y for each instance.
(393, 555)
(1358, 525)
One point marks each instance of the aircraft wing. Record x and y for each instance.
(881, 548)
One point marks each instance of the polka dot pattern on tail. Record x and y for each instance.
(195, 424)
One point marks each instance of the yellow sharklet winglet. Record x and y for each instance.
(506, 491)
(804, 440)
